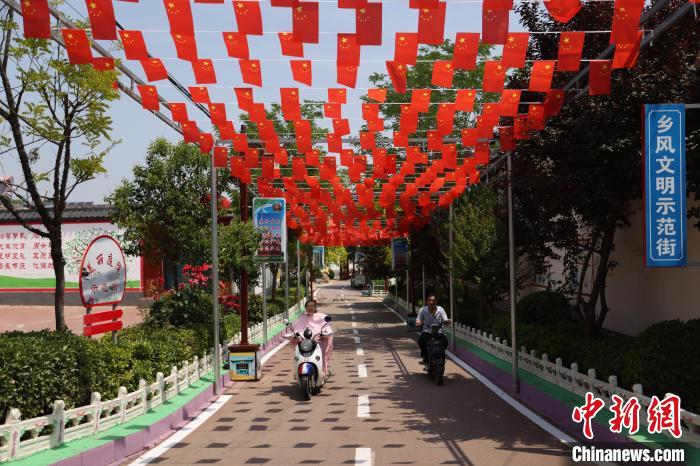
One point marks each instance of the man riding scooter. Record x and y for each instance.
(429, 315)
(316, 321)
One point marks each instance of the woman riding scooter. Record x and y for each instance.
(315, 321)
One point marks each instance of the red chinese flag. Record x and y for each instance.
(434, 140)
(400, 139)
(240, 142)
(298, 169)
(535, 113)
(290, 47)
(368, 24)
(204, 71)
(505, 138)
(431, 25)
(625, 25)
(281, 157)
(541, 75)
(375, 124)
(149, 97)
(510, 99)
(179, 112)
(77, 46)
(227, 131)
(102, 21)
(301, 71)
(443, 72)
(238, 169)
(190, 132)
(268, 167)
(367, 140)
(332, 110)
(250, 72)
(36, 19)
(553, 101)
(205, 142)
(154, 69)
(420, 100)
(494, 76)
(236, 45)
(469, 137)
(341, 126)
(494, 25)
(290, 103)
(337, 96)
(370, 111)
(599, 75)
(464, 101)
(406, 48)
(515, 49)
(248, 17)
(408, 121)
(217, 113)
(244, 96)
(398, 74)
(220, 157)
(626, 54)
(180, 16)
(466, 50)
(563, 10)
(335, 143)
(346, 75)
(570, 49)
(200, 94)
(185, 46)
(305, 22)
(378, 95)
(134, 45)
(348, 50)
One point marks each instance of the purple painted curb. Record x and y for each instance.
(123, 447)
(553, 410)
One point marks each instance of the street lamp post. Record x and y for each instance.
(451, 265)
(215, 276)
(511, 262)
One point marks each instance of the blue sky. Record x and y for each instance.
(137, 127)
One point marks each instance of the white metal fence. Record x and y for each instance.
(19, 438)
(569, 378)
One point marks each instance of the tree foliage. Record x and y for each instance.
(54, 122)
(164, 209)
(578, 181)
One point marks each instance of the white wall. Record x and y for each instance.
(639, 296)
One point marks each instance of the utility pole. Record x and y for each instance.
(511, 263)
(215, 275)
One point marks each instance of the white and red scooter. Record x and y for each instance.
(308, 359)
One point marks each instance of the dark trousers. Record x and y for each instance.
(423, 342)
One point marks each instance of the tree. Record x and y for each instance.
(164, 210)
(591, 152)
(376, 262)
(481, 244)
(238, 243)
(337, 255)
(48, 106)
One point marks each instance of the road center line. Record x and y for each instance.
(354, 332)
(363, 456)
(363, 406)
(362, 370)
(360, 352)
(357, 340)
(352, 317)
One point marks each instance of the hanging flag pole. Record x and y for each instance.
(451, 265)
(215, 276)
(298, 278)
(511, 265)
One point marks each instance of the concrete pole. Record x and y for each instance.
(264, 301)
(244, 273)
(286, 288)
(298, 278)
(424, 297)
(452, 290)
(511, 264)
(215, 276)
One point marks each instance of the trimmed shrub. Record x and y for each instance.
(544, 307)
(188, 305)
(331, 274)
(665, 358)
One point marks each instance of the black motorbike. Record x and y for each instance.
(435, 349)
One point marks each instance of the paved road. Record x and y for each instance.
(28, 318)
(410, 420)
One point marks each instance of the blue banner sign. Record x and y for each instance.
(664, 185)
(399, 254)
(269, 216)
(319, 256)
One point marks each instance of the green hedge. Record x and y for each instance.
(40, 367)
(663, 358)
